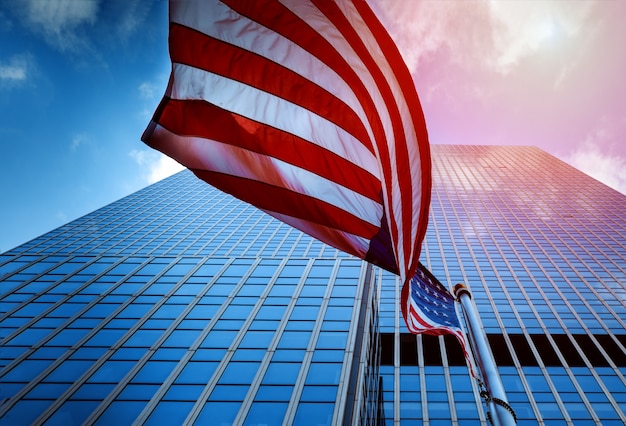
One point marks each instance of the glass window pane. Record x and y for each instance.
(266, 413)
(314, 414)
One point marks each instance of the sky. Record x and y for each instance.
(80, 79)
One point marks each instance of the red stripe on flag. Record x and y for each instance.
(417, 318)
(202, 119)
(204, 154)
(336, 16)
(201, 51)
(309, 77)
(280, 19)
(284, 201)
(407, 86)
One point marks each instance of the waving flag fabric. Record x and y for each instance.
(428, 307)
(306, 110)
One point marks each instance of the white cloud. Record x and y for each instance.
(130, 16)
(61, 216)
(146, 90)
(12, 71)
(142, 157)
(80, 139)
(16, 70)
(423, 28)
(521, 29)
(156, 166)
(485, 34)
(150, 92)
(604, 166)
(60, 21)
(146, 114)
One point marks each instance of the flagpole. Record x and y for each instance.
(503, 414)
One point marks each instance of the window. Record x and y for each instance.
(154, 372)
(121, 412)
(311, 393)
(332, 340)
(111, 372)
(281, 373)
(324, 374)
(239, 373)
(184, 392)
(218, 413)
(266, 413)
(135, 392)
(170, 413)
(69, 371)
(314, 414)
(196, 372)
(257, 339)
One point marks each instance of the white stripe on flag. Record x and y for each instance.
(230, 27)
(193, 83)
(206, 154)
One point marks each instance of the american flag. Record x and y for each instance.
(306, 110)
(428, 307)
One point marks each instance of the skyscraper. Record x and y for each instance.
(179, 303)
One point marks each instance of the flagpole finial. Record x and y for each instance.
(461, 289)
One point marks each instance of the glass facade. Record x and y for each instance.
(542, 247)
(179, 304)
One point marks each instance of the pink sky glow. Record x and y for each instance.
(550, 74)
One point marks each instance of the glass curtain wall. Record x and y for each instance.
(180, 304)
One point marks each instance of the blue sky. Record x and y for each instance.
(80, 79)
(78, 84)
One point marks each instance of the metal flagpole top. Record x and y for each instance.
(460, 289)
(503, 414)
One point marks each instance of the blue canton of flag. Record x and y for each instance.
(433, 301)
(428, 307)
